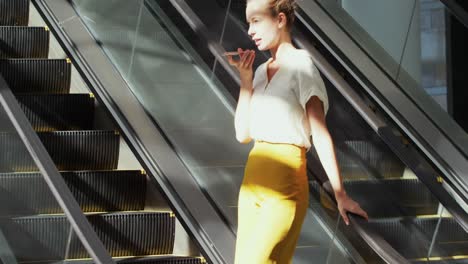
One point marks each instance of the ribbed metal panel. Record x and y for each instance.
(82, 150)
(125, 234)
(393, 198)
(401, 235)
(24, 42)
(412, 236)
(15, 156)
(102, 191)
(146, 260)
(451, 238)
(166, 260)
(25, 194)
(14, 12)
(58, 112)
(38, 238)
(175, 261)
(131, 234)
(374, 157)
(70, 150)
(37, 75)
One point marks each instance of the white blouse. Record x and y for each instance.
(277, 109)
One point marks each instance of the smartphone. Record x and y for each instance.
(231, 53)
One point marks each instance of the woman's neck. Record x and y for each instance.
(281, 50)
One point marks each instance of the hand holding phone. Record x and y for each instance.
(243, 64)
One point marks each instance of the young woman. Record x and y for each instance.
(280, 109)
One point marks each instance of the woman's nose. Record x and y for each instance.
(251, 32)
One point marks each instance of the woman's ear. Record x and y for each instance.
(282, 20)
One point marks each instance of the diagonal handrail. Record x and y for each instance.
(52, 176)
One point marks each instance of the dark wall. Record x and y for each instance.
(457, 66)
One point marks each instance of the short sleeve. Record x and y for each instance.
(310, 84)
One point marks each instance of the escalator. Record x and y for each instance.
(134, 225)
(402, 191)
(167, 51)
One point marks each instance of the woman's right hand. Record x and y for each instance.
(244, 66)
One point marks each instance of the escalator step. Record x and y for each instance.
(442, 261)
(412, 236)
(95, 191)
(362, 159)
(149, 260)
(376, 155)
(101, 191)
(393, 197)
(58, 112)
(37, 75)
(14, 12)
(70, 150)
(48, 238)
(24, 42)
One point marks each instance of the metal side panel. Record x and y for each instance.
(190, 204)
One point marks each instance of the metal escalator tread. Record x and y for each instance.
(24, 42)
(393, 197)
(149, 260)
(412, 236)
(57, 112)
(25, 194)
(14, 12)
(70, 150)
(408, 193)
(123, 234)
(52, 76)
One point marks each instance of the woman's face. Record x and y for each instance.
(263, 28)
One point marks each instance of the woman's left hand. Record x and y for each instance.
(346, 204)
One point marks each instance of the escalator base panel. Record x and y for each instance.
(123, 234)
(25, 194)
(48, 113)
(37, 75)
(24, 42)
(14, 13)
(70, 150)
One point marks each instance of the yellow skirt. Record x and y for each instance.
(273, 201)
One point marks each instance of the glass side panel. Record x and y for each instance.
(33, 228)
(188, 103)
(408, 40)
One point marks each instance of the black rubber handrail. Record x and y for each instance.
(456, 10)
(52, 176)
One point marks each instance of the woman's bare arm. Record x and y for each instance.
(242, 118)
(326, 151)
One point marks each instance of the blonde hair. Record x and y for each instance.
(288, 7)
